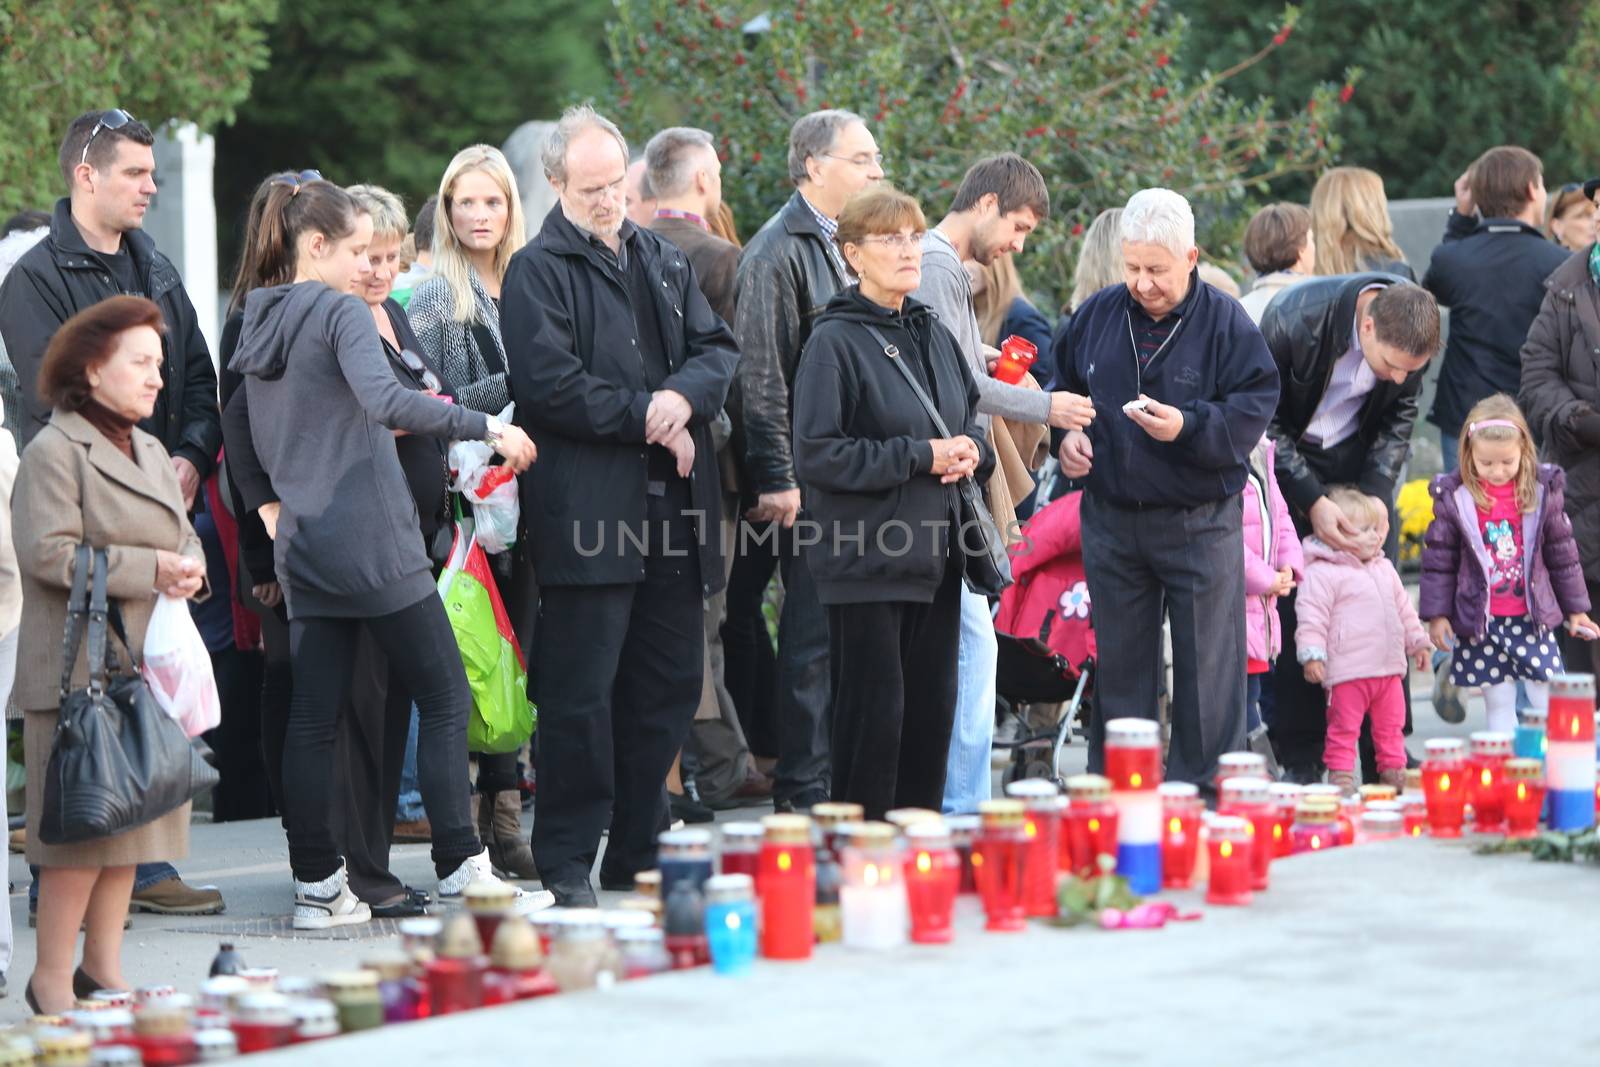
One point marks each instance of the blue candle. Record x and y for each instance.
(731, 922)
(1528, 742)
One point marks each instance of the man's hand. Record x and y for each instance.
(1069, 411)
(1285, 584)
(1332, 527)
(1316, 672)
(991, 358)
(1160, 421)
(269, 518)
(188, 480)
(954, 458)
(1077, 455)
(668, 413)
(782, 506)
(1442, 634)
(178, 576)
(1464, 204)
(681, 445)
(269, 593)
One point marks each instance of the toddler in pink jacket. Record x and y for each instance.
(1356, 627)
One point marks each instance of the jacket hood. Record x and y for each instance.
(1316, 549)
(1444, 486)
(849, 305)
(274, 316)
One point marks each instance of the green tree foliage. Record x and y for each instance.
(1090, 92)
(388, 92)
(1444, 79)
(159, 59)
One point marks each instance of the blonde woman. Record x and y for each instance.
(1350, 218)
(1004, 309)
(478, 225)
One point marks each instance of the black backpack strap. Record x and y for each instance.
(490, 352)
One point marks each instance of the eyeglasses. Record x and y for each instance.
(863, 160)
(419, 370)
(295, 181)
(114, 119)
(895, 241)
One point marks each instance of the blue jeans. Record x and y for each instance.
(967, 777)
(409, 807)
(1450, 447)
(1252, 702)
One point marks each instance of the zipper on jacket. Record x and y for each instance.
(1138, 368)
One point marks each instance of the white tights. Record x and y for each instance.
(1501, 701)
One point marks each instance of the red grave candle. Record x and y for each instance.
(1414, 812)
(1016, 356)
(997, 861)
(1041, 827)
(786, 877)
(1250, 799)
(1486, 771)
(1089, 828)
(741, 848)
(963, 833)
(1522, 795)
(1228, 844)
(455, 974)
(1316, 825)
(1181, 808)
(933, 874)
(1444, 783)
(1239, 765)
(1285, 795)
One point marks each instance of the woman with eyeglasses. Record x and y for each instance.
(1570, 218)
(478, 225)
(324, 402)
(880, 480)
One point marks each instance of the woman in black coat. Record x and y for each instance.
(880, 481)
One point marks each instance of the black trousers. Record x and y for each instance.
(242, 792)
(619, 676)
(803, 713)
(751, 662)
(1188, 562)
(893, 668)
(1299, 728)
(421, 648)
(277, 683)
(370, 752)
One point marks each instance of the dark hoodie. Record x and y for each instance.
(863, 454)
(323, 401)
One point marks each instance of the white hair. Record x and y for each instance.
(1159, 217)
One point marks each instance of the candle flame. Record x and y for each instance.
(1094, 826)
(1316, 841)
(977, 859)
(1522, 790)
(870, 874)
(1135, 779)
(1574, 727)
(1226, 850)
(924, 862)
(1277, 831)
(733, 921)
(1031, 829)
(1444, 782)
(1416, 831)
(785, 861)
(1175, 826)
(1486, 778)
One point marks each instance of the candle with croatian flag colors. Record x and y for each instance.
(1251, 800)
(1133, 763)
(786, 879)
(1285, 795)
(1444, 772)
(1486, 766)
(1522, 794)
(1041, 823)
(1089, 828)
(1181, 808)
(933, 873)
(1569, 753)
(997, 861)
(1228, 845)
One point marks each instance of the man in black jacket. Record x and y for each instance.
(618, 366)
(787, 275)
(97, 249)
(1489, 271)
(1350, 351)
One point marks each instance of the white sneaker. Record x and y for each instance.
(478, 869)
(328, 903)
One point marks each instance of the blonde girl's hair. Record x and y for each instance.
(1001, 286)
(1100, 258)
(1359, 506)
(450, 259)
(1500, 408)
(1350, 216)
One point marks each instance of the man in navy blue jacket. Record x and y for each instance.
(1183, 387)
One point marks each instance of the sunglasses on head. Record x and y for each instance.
(296, 181)
(114, 119)
(419, 370)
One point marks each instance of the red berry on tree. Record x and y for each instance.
(1158, 92)
(1162, 59)
(1346, 93)
(1077, 229)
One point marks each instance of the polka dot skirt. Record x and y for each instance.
(1513, 648)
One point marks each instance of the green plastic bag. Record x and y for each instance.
(502, 716)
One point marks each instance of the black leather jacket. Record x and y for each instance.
(787, 275)
(1307, 327)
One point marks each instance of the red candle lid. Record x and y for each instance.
(1523, 769)
(1228, 828)
(1089, 787)
(1444, 748)
(1133, 733)
(1571, 685)
(1246, 790)
(1241, 765)
(1491, 743)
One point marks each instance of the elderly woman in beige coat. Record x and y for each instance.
(91, 476)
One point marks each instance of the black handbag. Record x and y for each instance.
(985, 564)
(117, 760)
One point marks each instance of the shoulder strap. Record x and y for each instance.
(484, 340)
(77, 614)
(893, 352)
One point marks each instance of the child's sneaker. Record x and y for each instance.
(328, 903)
(1396, 777)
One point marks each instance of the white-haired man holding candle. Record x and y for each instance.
(1183, 386)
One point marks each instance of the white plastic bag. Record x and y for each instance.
(491, 490)
(177, 668)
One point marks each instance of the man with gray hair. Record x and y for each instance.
(618, 367)
(789, 272)
(1183, 388)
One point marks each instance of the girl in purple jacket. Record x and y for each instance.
(1500, 568)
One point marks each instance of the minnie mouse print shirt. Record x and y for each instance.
(1501, 526)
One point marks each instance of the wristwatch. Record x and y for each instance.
(495, 429)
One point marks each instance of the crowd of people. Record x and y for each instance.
(698, 428)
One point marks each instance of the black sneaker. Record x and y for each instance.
(689, 809)
(572, 892)
(801, 803)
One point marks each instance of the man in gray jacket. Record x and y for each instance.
(1000, 201)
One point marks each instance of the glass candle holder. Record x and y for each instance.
(582, 956)
(107, 1026)
(829, 820)
(787, 881)
(1239, 765)
(998, 861)
(1370, 793)
(455, 974)
(1089, 827)
(1528, 739)
(832, 814)
(314, 1020)
(1570, 753)
(1522, 795)
(1331, 792)
(356, 996)
(933, 875)
(1133, 764)
(1251, 800)
(872, 894)
(1016, 356)
(643, 952)
(215, 1044)
(1228, 846)
(1181, 808)
(1285, 795)
(262, 1021)
(488, 903)
(731, 921)
(684, 854)
(61, 1046)
(1444, 774)
(904, 818)
(1316, 825)
(516, 963)
(1041, 827)
(963, 834)
(741, 847)
(1486, 769)
(396, 991)
(1414, 814)
(1378, 825)
(684, 925)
